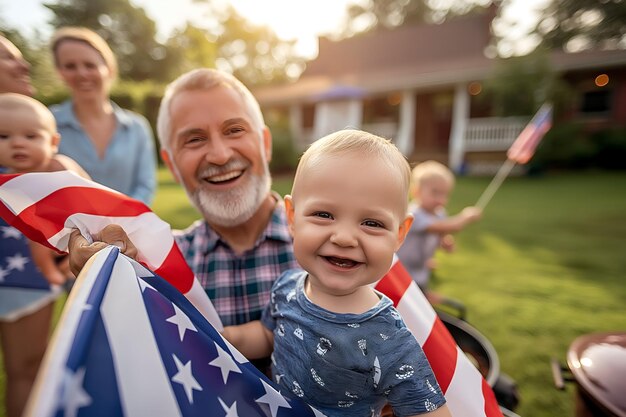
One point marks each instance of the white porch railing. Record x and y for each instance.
(482, 134)
(493, 133)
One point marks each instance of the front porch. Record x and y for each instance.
(481, 149)
(443, 124)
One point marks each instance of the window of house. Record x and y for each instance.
(596, 102)
(382, 109)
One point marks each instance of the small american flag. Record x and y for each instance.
(524, 146)
(47, 206)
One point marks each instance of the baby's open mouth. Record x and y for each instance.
(342, 262)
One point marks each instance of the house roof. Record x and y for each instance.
(409, 57)
(424, 48)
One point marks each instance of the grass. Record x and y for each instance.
(544, 266)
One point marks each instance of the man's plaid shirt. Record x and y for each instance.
(238, 285)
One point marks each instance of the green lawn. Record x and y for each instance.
(544, 266)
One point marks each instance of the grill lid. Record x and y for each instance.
(598, 363)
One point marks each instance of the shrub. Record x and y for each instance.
(570, 146)
(611, 148)
(284, 154)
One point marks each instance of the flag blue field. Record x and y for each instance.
(130, 344)
(16, 266)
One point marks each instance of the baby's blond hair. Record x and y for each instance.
(359, 142)
(12, 101)
(427, 170)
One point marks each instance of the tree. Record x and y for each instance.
(255, 54)
(36, 53)
(189, 48)
(375, 14)
(521, 84)
(581, 24)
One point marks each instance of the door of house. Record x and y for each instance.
(433, 121)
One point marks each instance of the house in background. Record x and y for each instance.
(420, 86)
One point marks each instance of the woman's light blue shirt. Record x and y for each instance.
(129, 162)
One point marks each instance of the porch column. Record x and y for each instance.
(336, 115)
(405, 137)
(460, 116)
(295, 125)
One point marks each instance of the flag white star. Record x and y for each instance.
(230, 411)
(10, 232)
(317, 412)
(182, 321)
(3, 274)
(273, 399)
(74, 396)
(17, 261)
(225, 362)
(185, 378)
(236, 354)
(143, 285)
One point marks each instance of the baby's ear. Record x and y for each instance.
(290, 212)
(56, 139)
(404, 229)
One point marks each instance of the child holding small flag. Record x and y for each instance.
(431, 185)
(28, 143)
(337, 342)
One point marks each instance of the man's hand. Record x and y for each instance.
(80, 250)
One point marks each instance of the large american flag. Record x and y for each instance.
(45, 207)
(130, 344)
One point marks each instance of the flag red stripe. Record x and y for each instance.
(394, 283)
(175, 269)
(7, 177)
(492, 409)
(31, 232)
(524, 146)
(528, 148)
(440, 349)
(51, 212)
(47, 217)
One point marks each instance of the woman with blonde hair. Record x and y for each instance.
(115, 146)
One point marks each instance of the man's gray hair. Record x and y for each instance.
(198, 80)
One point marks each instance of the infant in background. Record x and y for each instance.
(431, 185)
(28, 143)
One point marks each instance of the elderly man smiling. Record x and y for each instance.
(215, 142)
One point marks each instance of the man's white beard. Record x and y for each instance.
(235, 206)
